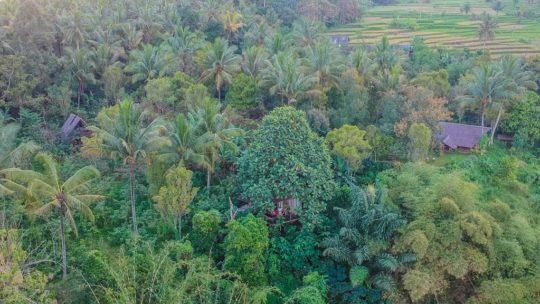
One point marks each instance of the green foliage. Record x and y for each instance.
(419, 141)
(174, 198)
(205, 229)
(245, 247)
(522, 118)
(17, 284)
(284, 141)
(348, 143)
(362, 239)
(243, 93)
(358, 274)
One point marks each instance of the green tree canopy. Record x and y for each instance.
(286, 159)
(245, 248)
(348, 142)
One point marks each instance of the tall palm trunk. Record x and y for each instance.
(499, 114)
(63, 240)
(132, 195)
(208, 177)
(79, 93)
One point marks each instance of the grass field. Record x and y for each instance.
(442, 23)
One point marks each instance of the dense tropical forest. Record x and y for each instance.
(220, 151)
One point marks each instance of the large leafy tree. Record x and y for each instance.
(55, 194)
(522, 118)
(220, 64)
(286, 159)
(125, 132)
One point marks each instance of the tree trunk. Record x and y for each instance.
(63, 241)
(180, 226)
(494, 129)
(208, 177)
(132, 195)
(79, 93)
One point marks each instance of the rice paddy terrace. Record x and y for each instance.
(443, 23)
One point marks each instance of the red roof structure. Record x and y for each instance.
(455, 135)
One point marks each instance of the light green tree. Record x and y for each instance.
(19, 285)
(174, 198)
(349, 143)
(419, 136)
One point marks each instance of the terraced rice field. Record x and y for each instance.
(442, 24)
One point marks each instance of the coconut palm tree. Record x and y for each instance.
(186, 144)
(306, 32)
(47, 188)
(254, 60)
(285, 76)
(217, 135)
(74, 29)
(385, 58)
(325, 62)
(102, 57)
(147, 63)
(361, 62)
(11, 154)
(487, 85)
(232, 22)
(220, 64)
(487, 29)
(518, 81)
(82, 68)
(276, 43)
(184, 44)
(124, 133)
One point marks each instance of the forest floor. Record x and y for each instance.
(442, 23)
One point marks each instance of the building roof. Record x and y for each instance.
(335, 39)
(72, 122)
(456, 135)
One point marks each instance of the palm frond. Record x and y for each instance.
(80, 178)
